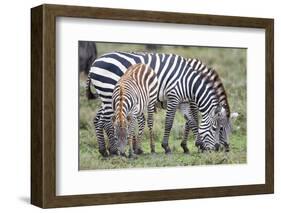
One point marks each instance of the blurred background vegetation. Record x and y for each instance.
(230, 63)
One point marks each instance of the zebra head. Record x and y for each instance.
(225, 129)
(214, 130)
(121, 132)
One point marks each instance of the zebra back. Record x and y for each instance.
(212, 77)
(138, 86)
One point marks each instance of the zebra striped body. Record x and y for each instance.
(134, 93)
(190, 110)
(107, 70)
(179, 83)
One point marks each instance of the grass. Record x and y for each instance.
(92, 160)
(230, 63)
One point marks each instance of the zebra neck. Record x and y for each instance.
(129, 99)
(131, 108)
(208, 108)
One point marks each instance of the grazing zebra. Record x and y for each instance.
(134, 93)
(179, 83)
(191, 110)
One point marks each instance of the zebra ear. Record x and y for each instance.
(220, 111)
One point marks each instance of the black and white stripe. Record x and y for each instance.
(179, 83)
(192, 110)
(134, 94)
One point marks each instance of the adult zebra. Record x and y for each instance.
(179, 83)
(134, 93)
(190, 110)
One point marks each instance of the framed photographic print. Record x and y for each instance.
(136, 106)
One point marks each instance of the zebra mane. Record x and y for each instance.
(127, 75)
(121, 100)
(212, 77)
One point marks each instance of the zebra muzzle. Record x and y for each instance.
(227, 149)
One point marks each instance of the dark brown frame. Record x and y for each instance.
(43, 105)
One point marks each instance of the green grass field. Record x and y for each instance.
(230, 63)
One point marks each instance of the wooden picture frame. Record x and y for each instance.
(43, 105)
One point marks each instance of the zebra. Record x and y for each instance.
(134, 93)
(179, 83)
(190, 110)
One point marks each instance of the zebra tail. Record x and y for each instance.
(89, 93)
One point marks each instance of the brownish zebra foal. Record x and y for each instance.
(135, 92)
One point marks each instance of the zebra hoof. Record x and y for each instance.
(168, 152)
(123, 155)
(132, 156)
(113, 153)
(104, 153)
(198, 144)
(185, 149)
(166, 148)
(226, 148)
(138, 151)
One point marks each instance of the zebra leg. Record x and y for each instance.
(185, 137)
(131, 133)
(108, 127)
(137, 141)
(131, 152)
(185, 109)
(172, 105)
(194, 123)
(190, 111)
(134, 142)
(99, 125)
(150, 112)
(198, 142)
